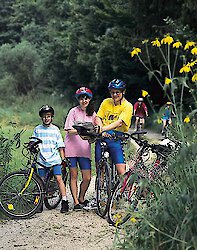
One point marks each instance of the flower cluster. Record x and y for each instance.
(188, 71)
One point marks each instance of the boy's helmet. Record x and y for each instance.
(46, 109)
(83, 91)
(117, 84)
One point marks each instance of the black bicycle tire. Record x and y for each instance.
(118, 219)
(28, 202)
(102, 212)
(52, 186)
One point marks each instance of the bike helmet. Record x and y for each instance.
(140, 99)
(168, 103)
(83, 91)
(46, 109)
(117, 84)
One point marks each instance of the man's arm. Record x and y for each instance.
(113, 125)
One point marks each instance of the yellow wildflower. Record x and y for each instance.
(133, 220)
(135, 51)
(144, 93)
(10, 207)
(159, 121)
(185, 68)
(156, 43)
(189, 44)
(192, 63)
(194, 78)
(177, 45)
(167, 40)
(167, 81)
(187, 119)
(194, 51)
(145, 41)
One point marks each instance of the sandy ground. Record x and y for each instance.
(50, 229)
(80, 230)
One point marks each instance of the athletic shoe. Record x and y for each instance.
(84, 203)
(91, 205)
(64, 207)
(77, 207)
(40, 209)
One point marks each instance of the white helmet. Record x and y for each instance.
(140, 99)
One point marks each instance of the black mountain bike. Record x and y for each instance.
(23, 192)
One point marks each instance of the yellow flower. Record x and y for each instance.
(185, 68)
(156, 43)
(145, 41)
(177, 45)
(10, 207)
(192, 63)
(194, 78)
(167, 81)
(167, 40)
(135, 51)
(187, 119)
(194, 51)
(144, 93)
(189, 44)
(133, 220)
(159, 121)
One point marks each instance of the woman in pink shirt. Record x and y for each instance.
(77, 150)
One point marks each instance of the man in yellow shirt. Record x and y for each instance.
(114, 116)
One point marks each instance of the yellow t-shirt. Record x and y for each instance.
(110, 113)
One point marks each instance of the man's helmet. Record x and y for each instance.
(83, 91)
(46, 109)
(117, 84)
(140, 99)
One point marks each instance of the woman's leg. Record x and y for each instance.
(73, 184)
(86, 178)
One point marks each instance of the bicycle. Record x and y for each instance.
(140, 125)
(107, 175)
(128, 193)
(23, 192)
(166, 131)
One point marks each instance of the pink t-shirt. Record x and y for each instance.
(74, 145)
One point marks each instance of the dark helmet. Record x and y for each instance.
(83, 91)
(117, 84)
(46, 109)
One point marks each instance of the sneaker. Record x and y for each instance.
(91, 205)
(64, 207)
(40, 209)
(77, 207)
(84, 203)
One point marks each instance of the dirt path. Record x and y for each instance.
(80, 230)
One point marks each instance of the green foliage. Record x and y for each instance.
(21, 68)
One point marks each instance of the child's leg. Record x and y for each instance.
(58, 174)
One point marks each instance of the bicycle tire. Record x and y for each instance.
(123, 202)
(103, 189)
(53, 196)
(16, 205)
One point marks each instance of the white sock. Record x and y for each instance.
(64, 198)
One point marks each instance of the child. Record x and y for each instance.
(51, 150)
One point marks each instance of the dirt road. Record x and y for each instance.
(81, 230)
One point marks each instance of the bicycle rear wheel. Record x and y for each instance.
(103, 188)
(123, 201)
(53, 195)
(14, 202)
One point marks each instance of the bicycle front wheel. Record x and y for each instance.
(123, 202)
(53, 195)
(18, 198)
(103, 188)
